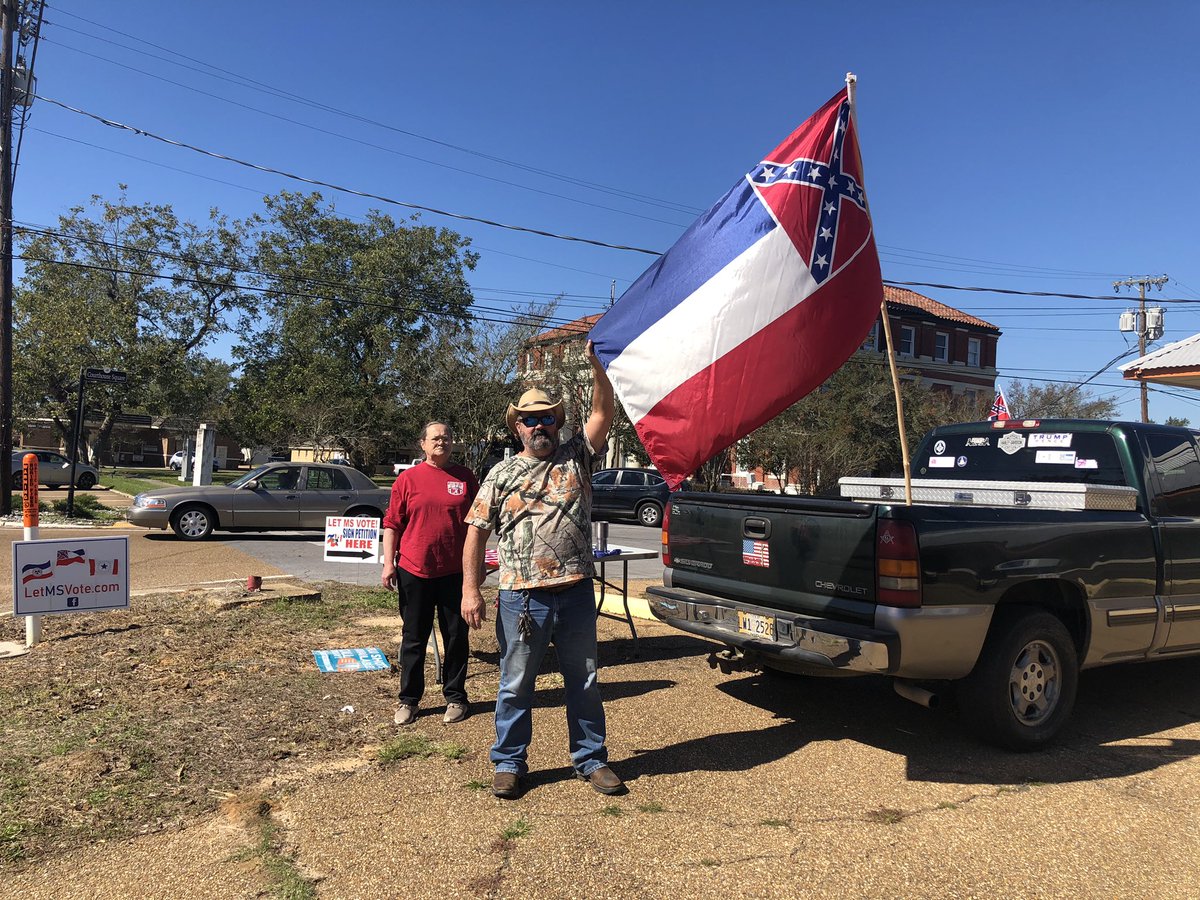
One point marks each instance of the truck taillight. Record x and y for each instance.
(897, 564)
(666, 548)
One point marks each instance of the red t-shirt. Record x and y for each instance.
(427, 511)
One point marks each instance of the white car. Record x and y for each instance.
(397, 468)
(176, 462)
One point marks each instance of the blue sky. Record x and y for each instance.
(1035, 147)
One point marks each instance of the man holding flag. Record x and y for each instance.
(760, 301)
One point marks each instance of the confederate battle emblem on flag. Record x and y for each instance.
(456, 488)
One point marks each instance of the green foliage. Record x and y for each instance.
(86, 506)
(348, 323)
(518, 829)
(418, 746)
(157, 290)
(848, 427)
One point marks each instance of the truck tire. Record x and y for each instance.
(193, 523)
(1022, 690)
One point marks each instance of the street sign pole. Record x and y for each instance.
(104, 376)
(75, 444)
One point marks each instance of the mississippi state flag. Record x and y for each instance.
(760, 301)
(999, 407)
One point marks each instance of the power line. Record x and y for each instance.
(371, 144)
(336, 187)
(282, 94)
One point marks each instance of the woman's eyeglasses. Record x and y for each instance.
(530, 421)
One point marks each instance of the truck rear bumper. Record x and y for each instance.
(937, 643)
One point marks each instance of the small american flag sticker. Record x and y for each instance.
(756, 553)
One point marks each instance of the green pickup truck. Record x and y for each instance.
(1033, 549)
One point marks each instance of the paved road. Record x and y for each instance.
(302, 554)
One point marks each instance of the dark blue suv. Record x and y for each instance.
(629, 494)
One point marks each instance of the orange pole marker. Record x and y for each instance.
(29, 490)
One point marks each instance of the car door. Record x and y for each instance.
(327, 492)
(629, 492)
(604, 483)
(274, 503)
(54, 470)
(1176, 510)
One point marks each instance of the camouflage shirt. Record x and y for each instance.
(541, 511)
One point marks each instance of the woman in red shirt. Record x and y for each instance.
(423, 534)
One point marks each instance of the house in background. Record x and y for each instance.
(951, 350)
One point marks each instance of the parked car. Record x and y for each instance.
(176, 462)
(629, 494)
(274, 497)
(54, 470)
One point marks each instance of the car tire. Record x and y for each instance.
(1022, 690)
(87, 481)
(193, 523)
(365, 511)
(650, 515)
(16, 480)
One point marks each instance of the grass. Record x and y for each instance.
(652, 806)
(886, 816)
(324, 611)
(946, 804)
(774, 823)
(286, 880)
(476, 785)
(418, 746)
(518, 829)
(614, 811)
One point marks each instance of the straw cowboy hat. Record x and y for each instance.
(533, 402)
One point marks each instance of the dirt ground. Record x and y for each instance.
(190, 747)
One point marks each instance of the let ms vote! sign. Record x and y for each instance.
(66, 576)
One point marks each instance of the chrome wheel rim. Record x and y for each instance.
(649, 515)
(1034, 683)
(193, 523)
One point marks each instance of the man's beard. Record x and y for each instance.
(540, 443)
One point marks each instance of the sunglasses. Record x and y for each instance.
(530, 421)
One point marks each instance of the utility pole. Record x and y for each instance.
(1142, 328)
(8, 13)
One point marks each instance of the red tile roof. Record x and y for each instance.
(575, 329)
(904, 297)
(894, 295)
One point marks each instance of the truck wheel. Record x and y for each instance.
(192, 523)
(1022, 690)
(650, 514)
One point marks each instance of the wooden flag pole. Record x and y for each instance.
(851, 82)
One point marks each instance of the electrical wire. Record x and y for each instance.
(336, 187)
(280, 93)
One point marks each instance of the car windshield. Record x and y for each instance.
(249, 476)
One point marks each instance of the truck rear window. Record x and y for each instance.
(994, 455)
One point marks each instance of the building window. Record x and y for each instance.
(908, 339)
(973, 352)
(871, 341)
(941, 346)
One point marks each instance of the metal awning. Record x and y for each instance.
(1177, 363)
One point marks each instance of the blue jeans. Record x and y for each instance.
(568, 618)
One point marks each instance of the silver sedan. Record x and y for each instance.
(275, 497)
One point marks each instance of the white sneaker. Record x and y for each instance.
(405, 713)
(455, 713)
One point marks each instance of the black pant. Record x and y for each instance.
(421, 596)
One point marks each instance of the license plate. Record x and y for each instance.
(756, 626)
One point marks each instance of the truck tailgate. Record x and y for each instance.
(803, 555)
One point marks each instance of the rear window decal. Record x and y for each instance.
(1056, 457)
(1011, 442)
(941, 462)
(1086, 464)
(1049, 439)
